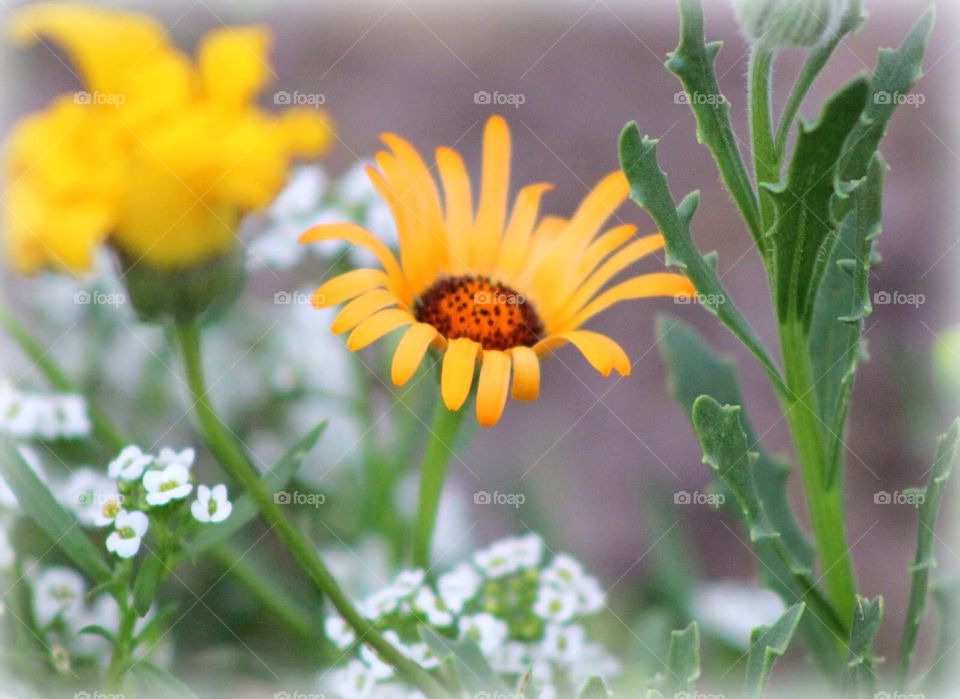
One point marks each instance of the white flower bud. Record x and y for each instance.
(777, 23)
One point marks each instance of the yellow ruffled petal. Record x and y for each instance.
(349, 284)
(643, 286)
(600, 351)
(378, 325)
(458, 207)
(355, 235)
(606, 243)
(361, 308)
(516, 238)
(233, 63)
(494, 187)
(492, 386)
(410, 350)
(456, 376)
(526, 373)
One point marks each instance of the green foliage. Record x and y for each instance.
(766, 645)
(867, 616)
(155, 682)
(466, 661)
(148, 579)
(594, 688)
(683, 661)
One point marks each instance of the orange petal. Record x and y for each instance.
(495, 184)
(459, 364)
(526, 373)
(410, 350)
(378, 325)
(643, 286)
(600, 351)
(361, 308)
(349, 284)
(492, 387)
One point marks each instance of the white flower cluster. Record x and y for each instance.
(522, 611)
(137, 483)
(309, 199)
(61, 612)
(25, 415)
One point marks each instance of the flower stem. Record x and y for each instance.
(766, 166)
(234, 461)
(123, 643)
(443, 434)
(824, 498)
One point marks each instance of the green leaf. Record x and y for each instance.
(860, 675)
(692, 62)
(472, 669)
(145, 585)
(42, 507)
(726, 450)
(804, 223)
(648, 188)
(842, 304)
(244, 507)
(923, 561)
(683, 661)
(594, 688)
(97, 630)
(894, 76)
(940, 674)
(695, 370)
(155, 682)
(766, 645)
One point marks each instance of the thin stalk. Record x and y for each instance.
(824, 500)
(766, 166)
(443, 434)
(236, 463)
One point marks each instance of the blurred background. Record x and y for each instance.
(598, 460)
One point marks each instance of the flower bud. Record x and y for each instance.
(779, 23)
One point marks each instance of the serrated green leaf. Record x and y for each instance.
(842, 303)
(146, 582)
(766, 645)
(648, 188)
(594, 688)
(692, 62)
(42, 507)
(472, 669)
(244, 508)
(860, 675)
(895, 74)
(695, 370)
(683, 661)
(947, 450)
(804, 225)
(155, 682)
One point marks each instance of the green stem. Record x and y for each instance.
(443, 434)
(236, 463)
(824, 499)
(123, 643)
(766, 166)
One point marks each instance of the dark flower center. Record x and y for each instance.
(487, 312)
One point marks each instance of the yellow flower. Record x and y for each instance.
(496, 287)
(160, 155)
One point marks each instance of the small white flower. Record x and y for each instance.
(554, 604)
(129, 464)
(563, 644)
(488, 631)
(590, 596)
(431, 605)
(512, 658)
(164, 485)
(564, 571)
(339, 631)
(458, 586)
(86, 492)
(71, 415)
(355, 681)
(378, 668)
(408, 581)
(731, 609)
(130, 528)
(380, 603)
(168, 456)
(509, 555)
(58, 592)
(211, 504)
